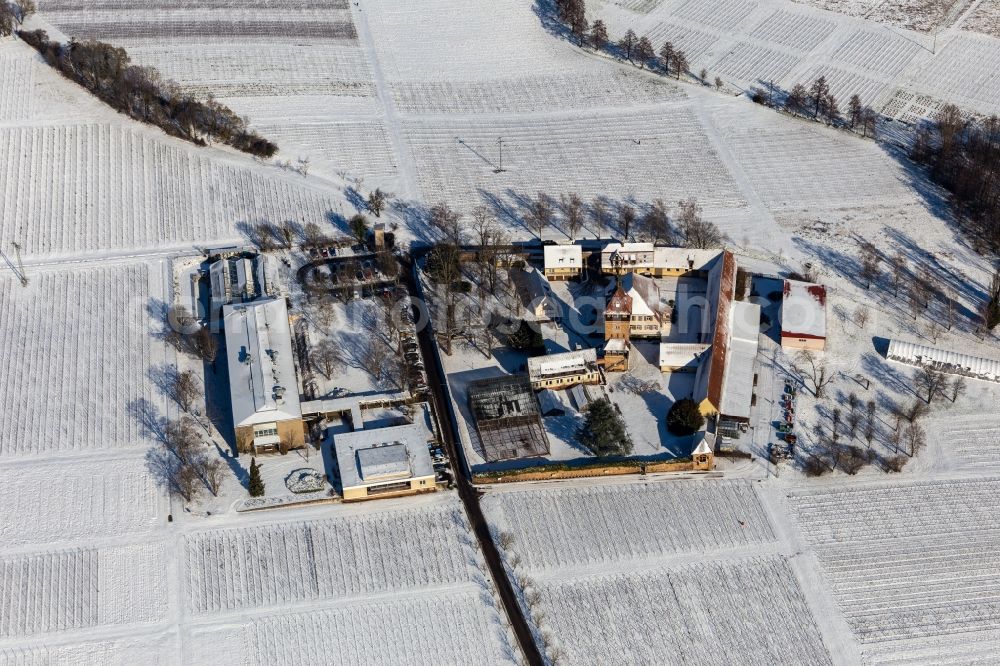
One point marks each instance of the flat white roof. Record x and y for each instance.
(737, 381)
(563, 256)
(262, 383)
(680, 354)
(680, 257)
(803, 310)
(582, 360)
(367, 457)
(944, 360)
(626, 248)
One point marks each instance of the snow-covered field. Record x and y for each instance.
(561, 528)
(663, 567)
(704, 611)
(909, 561)
(413, 98)
(85, 348)
(871, 48)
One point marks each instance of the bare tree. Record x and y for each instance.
(718, 83)
(870, 264)
(184, 388)
(835, 419)
(313, 236)
(957, 388)
(703, 75)
(655, 224)
(950, 301)
(626, 215)
(448, 222)
(870, 423)
(25, 8)
(899, 271)
(599, 216)
(573, 208)
(327, 356)
(377, 357)
(206, 345)
(861, 316)
(916, 411)
(181, 439)
(376, 202)
(853, 415)
(813, 371)
(540, 214)
(698, 233)
(262, 236)
(211, 471)
(914, 438)
(931, 381)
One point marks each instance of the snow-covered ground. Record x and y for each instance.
(93, 571)
(876, 49)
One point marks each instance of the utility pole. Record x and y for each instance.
(20, 266)
(500, 144)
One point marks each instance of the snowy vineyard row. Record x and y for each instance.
(588, 155)
(285, 69)
(973, 444)
(79, 188)
(57, 591)
(15, 86)
(457, 627)
(909, 561)
(82, 347)
(564, 527)
(93, 500)
(329, 559)
(359, 149)
(748, 612)
(137, 30)
(52, 6)
(750, 43)
(805, 167)
(530, 94)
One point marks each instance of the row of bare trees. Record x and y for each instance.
(924, 292)
(15, 12)
(141, 92)
(963, 156)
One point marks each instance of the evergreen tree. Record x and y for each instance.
(256, 484)
(819, 92)
(628, 42)
(603, 433)
(667, 56)
(644, 51)
(598, 35)
(359, 227)
(854, 111)
(680, 64)
(684, 417)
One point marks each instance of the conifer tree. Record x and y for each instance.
(256, 484)
(603, 433)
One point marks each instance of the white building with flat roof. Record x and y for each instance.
(555, 371)
(385, 462)
(803, 316)
(263, 386)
